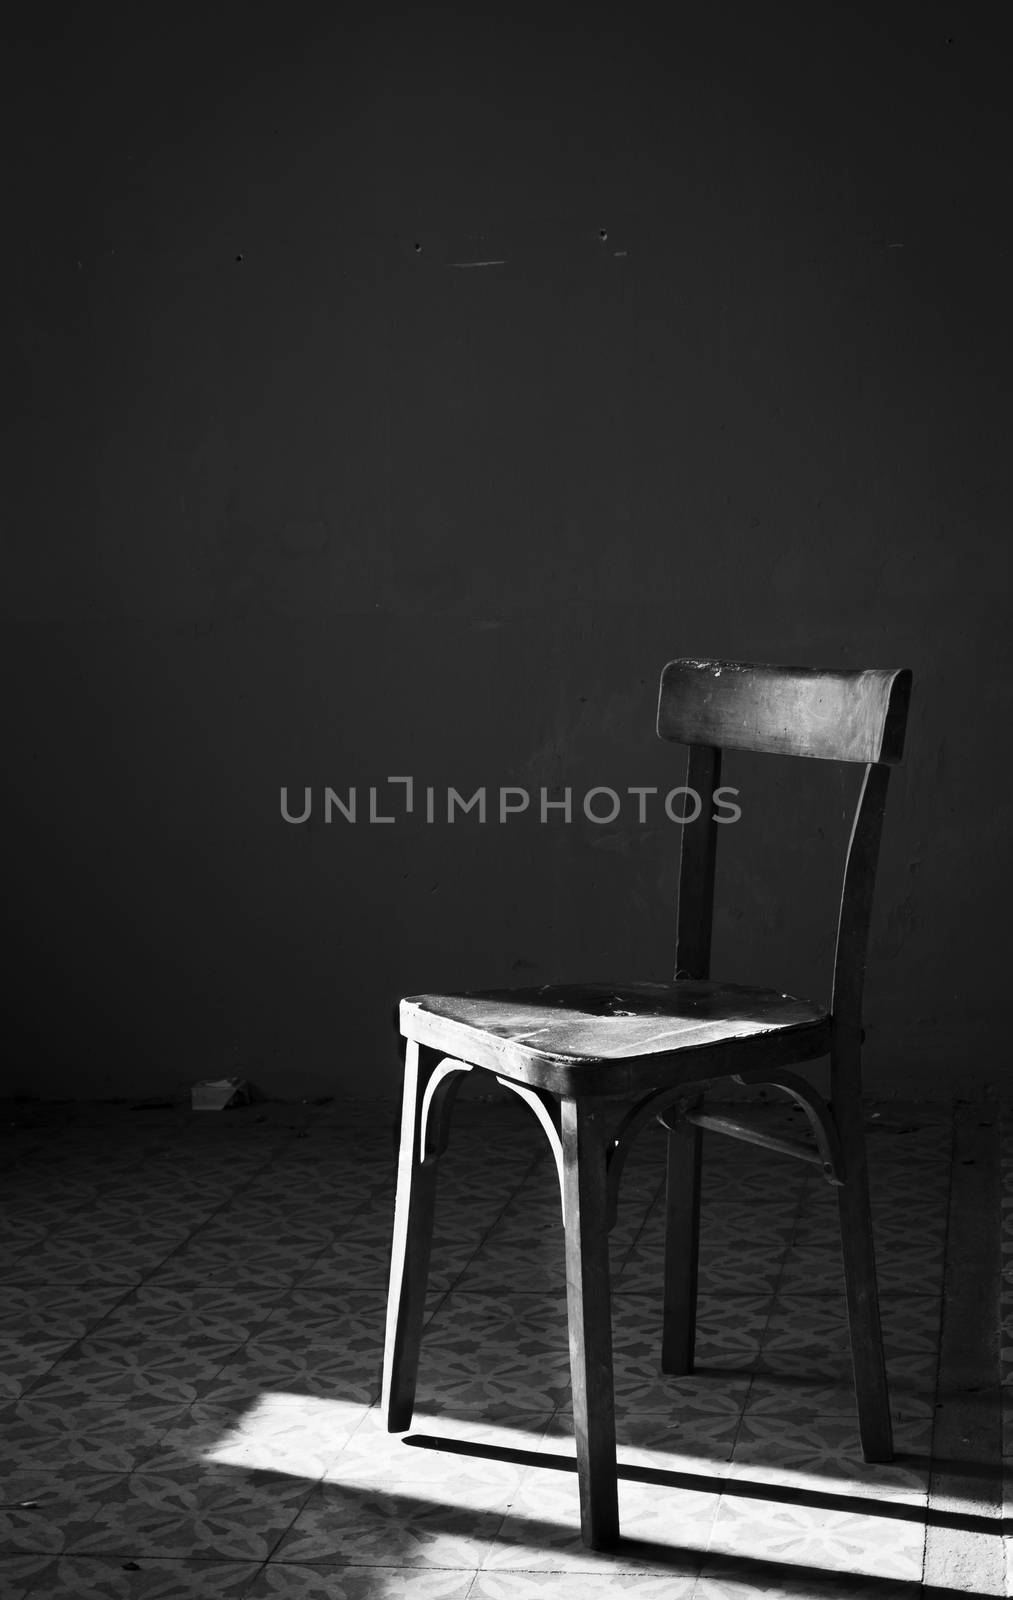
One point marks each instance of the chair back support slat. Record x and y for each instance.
(793, 711)
(696, 868)
(856, 903)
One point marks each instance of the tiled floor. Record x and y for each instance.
(191, 1333)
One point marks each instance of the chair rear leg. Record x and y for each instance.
(589, 1310)
(413, 1237)
(682, 1247)
(858, 1249)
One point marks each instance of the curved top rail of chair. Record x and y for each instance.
(821, 712)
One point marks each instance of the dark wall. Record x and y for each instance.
(296, 502)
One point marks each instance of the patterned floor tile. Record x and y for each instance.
(740, 1177)
(707, 1392)
(733, 1259)
(323, 1312)
(88, 1265)
(91, 1578)
(18, 1571)
(486, 1179)
(430, 1467)
(813, 1536)
(214, 1255)
(817, 1269)
(28, 1353)
(809, 1339)
(745, 1579)
(94, 1227)
(51, 1433)
(57, 1512)
(540, 1266)
(733, 1269)
(173, 1310)
(76, 1380)
(352, 1527)
(244, 1222)
(755, 1221)
(324, 1193)
(309, 1364)
(374, 1454)
(201, 1511)
(538, 1229)
(190, 1273)
(23, 1229)
(803, 1401)
(507, 1585)
(512, 1261)
(295, 1433)
(825, 1458)
(72, 1309)
(116, 1207)
(33, 1487)
(353, 1265)
(482, 1349)
(197, 1352)
(286, 1581)
(665, 1529)
(677, 1442)
(729, 1331)
(188, 1437)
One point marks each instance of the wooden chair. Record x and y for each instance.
(595, 1063)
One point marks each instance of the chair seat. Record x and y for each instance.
(597, 1037)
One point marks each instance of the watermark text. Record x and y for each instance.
(644, 804)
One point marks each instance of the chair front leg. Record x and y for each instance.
(430, 1083)
(586, 1141)
(858, 1249)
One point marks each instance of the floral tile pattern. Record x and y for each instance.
(471, 1454)
(293, 1433)
(825, 1462)
(812, 1536)
(106, 1436)
(56, 1512)
(287, 1581)
(507, 1585)
(665, 1529)
(731, 1579)
(208, 1511)
(403, 1528)
(480, 1350)
(191, 1335)
(85, 1577)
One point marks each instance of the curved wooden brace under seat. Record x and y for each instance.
(684, 1098)
(681, 1105)
(544, 1106)
(434, 1117)
(818, 1114)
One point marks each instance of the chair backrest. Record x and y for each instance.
(788, 711)
(797, 711)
